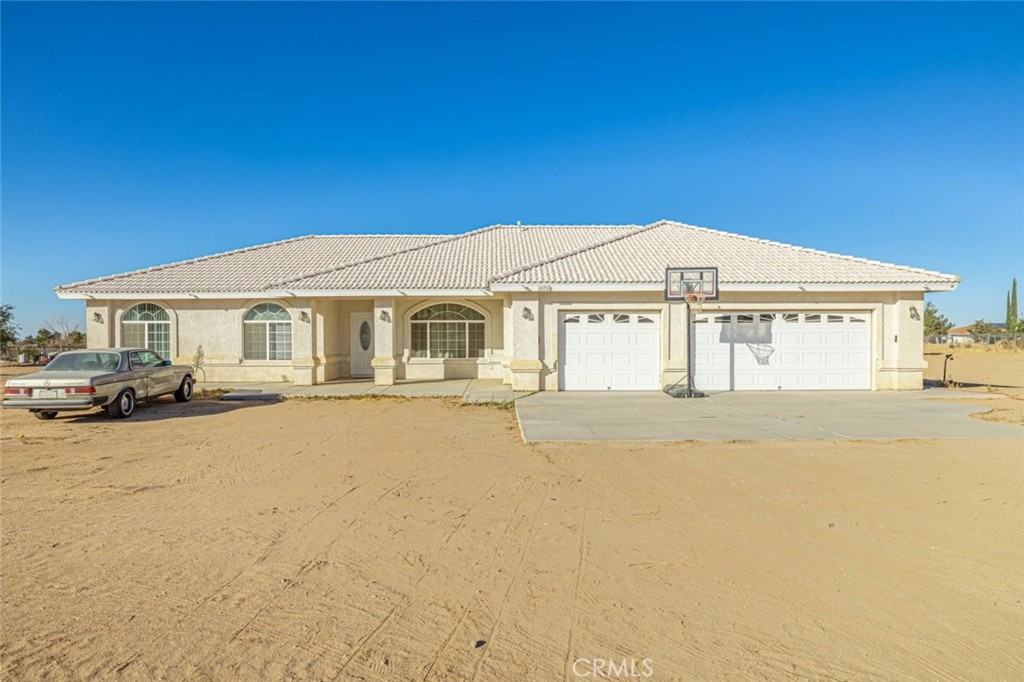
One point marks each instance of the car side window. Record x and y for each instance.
(150, 359)
(136, 361)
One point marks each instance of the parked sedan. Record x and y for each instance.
(112, 378)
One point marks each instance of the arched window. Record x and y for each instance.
(447, 330)
(147, 326)
(268, 333)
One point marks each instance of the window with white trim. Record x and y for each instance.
(147, 325)
(449, 331)
(268, 333)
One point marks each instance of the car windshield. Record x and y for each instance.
(84, 362)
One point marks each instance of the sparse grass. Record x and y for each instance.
(358, 398)
(506, 405)
(210, 393)
(972, 349)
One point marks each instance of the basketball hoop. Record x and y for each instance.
(695, 301)
(762, 352)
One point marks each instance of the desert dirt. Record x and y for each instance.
(421, 540)
(983, 369)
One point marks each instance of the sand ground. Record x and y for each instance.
(373, 540)
(988, 370)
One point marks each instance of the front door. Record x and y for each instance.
(361, 353)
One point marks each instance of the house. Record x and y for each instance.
(540, 307)
(962, 335)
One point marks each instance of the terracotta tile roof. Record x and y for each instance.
(506, 255)
(642, 256)
(465, 261)
(251, 268)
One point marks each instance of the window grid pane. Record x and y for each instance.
(419, 339)
(133, 335)
(143, 312)
(475, 333)
(159, 338)
(447, 339)
(280, 340)
(255, 341)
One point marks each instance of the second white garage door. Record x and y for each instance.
(782, 351)
(610, 352)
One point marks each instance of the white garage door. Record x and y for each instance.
(782, 351)
(610, 351)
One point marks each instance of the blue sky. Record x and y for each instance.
(137, 134)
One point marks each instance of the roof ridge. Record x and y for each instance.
(362, 261)
(523, 268)
(187, 261)
(807, 249)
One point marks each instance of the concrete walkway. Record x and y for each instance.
(470, 390)
(794, 415)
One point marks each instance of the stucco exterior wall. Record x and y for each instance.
(522, 342)
(897, 331)
(432, 369)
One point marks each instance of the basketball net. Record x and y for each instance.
(695, 301)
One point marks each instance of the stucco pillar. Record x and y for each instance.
(319, 341)
(384, 321)
(508, 340)
(675, 358)
(304, 335)
(903, 364)
(99, 324)
(525, 367)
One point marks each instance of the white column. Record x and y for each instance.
(99, 324)
(508, 342)
(304, 352)
(384, 322)
(902, 348)
(525, 366)
(676, 355)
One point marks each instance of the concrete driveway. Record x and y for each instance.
(825, 415)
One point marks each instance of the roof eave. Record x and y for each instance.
(732, 286)
(267, 294)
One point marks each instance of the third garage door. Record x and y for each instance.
(782, 351)
(610, 351)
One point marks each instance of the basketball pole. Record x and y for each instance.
(691, 391)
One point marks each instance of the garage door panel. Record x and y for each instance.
(804, 351)
(611, 351)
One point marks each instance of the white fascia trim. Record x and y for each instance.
(898, 286)
(891, 286)
(163, 295)
(576, 287)
(485, 293)
(377, 293)
(275, 293)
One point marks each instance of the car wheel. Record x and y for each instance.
(184, 392)
(45, 414)
(123, 405)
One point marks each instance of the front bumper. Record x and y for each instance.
(59, 405)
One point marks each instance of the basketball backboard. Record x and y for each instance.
(682, 281)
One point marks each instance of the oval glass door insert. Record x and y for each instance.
(364, 335)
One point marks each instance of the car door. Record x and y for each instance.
(161, 376)
(140, 379)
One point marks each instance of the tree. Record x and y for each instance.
(1012, 320)
(934, 323)
(8, 330)
(65, 333)
(76, 339)
(981, 330)
(46, 339)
